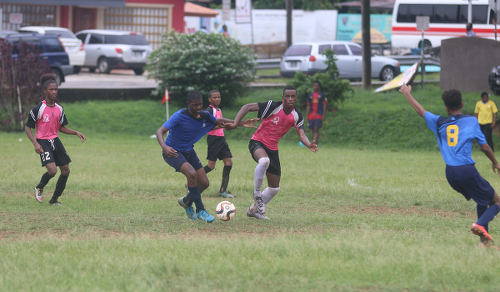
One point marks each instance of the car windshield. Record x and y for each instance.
(61, 33)
(127, 39)
(298, 50)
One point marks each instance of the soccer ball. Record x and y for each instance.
(225, 210)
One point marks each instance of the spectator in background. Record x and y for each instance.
(470, 32)
(486, 112)
(316, 110)
(224, 30)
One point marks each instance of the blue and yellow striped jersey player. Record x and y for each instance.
(455, 135)
(186, 127)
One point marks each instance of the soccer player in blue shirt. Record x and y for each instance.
(186, 127)
(455, 135)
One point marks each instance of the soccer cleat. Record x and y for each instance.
(56, 203)
(484, 236)
(189, 209)
(252, 212)
(226, 194)
(203, 215)
(260, 205)
(39, 195)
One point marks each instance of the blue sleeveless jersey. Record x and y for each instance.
(455, 135)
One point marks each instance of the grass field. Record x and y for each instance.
(344, 220)
(371, 211)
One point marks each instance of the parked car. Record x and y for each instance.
(49, 48)
(309, 58)
(71, 43)
(494, 80)
(108, 49)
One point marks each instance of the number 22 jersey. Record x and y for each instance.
(455, 135)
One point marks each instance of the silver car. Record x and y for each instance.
(309, 58)
(110, 49)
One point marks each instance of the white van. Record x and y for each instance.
(448, 18)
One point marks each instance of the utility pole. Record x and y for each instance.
(367, 52)
(289, 12)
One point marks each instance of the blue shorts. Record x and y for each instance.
(466, 180)
(312, 124)
(182, 157)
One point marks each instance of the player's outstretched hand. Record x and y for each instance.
(229, 126)
(313, 147)
(249, 123)
(496, 168)
(170, 152)
(405, 89)
(81, 136)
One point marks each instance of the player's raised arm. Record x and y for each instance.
(249, 107)
(406, 91)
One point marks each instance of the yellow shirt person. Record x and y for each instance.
(486, 113)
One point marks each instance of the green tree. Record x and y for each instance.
(203, 62)
(336, 89)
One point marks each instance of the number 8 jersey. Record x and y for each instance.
(455, 135)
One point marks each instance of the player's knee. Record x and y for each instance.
(65, 172)
(191, 175)
(52, 172)
(264, 161)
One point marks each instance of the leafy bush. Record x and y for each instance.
(203, 62)
(19, 89)
(336, 89)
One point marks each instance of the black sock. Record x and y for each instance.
(44, 180)
(60, 186)
(207, 169)
(225, 178)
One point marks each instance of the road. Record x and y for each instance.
(116, 79)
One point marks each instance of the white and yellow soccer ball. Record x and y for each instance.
(225, 210)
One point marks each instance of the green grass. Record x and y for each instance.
(371, 211)
(345, 220)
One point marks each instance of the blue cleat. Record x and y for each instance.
(189, 209)
(203, 215)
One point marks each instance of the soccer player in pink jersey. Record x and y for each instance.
(277, 118)
(217, 145)
(48, 118)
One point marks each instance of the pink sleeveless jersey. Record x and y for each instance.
(217, 113)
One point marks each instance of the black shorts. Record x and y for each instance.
(217, 148)
(53, 151)
(317, 123)
(274, 165)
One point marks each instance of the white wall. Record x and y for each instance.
(269, 26)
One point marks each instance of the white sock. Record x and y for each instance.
(260, 172)
(269, 193)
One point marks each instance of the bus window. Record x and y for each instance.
(409, 12)
(444, 13)
(480, 14)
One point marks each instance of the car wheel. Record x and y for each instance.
(427, 45)
(103, 65)
(59, 76)
(91, 69)
(387, 73)
(76, 69)
(139, 71)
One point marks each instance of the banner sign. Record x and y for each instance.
(349, 27)
(243, 11)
